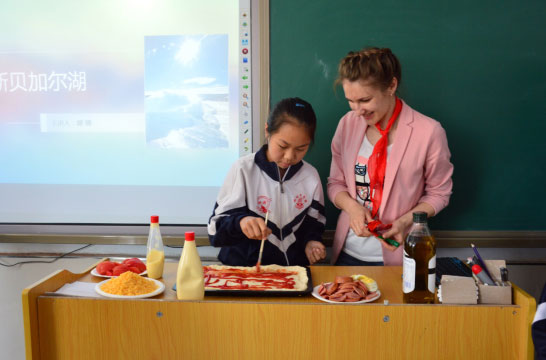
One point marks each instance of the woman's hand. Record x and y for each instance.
(254, 228)
(359, 218)
(398, 232)
(315, 251)
(401, 226)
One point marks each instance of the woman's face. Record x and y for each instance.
(288, 145)
(373, 104)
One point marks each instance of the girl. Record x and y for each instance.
(388, 161)
(276, 180)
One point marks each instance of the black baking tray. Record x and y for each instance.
(263, 293)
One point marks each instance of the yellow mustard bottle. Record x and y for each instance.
(190, 282)
(155, 256)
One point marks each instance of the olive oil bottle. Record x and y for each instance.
(419, 274)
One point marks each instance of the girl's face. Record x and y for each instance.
(288, 145)
(373, 104)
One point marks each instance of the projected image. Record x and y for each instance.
(109, 121)
(186, 91)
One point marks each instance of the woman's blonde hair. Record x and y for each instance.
(373, 65)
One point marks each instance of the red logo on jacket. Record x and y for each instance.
(299, 201)
(263, 204)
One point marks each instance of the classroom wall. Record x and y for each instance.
(475, 66)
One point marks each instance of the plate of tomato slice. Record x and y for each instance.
(110, 269)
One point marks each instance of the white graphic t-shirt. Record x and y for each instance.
(364, 248)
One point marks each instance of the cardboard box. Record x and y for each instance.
(458, 290)
(499, 295)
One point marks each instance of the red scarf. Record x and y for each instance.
(377, 164)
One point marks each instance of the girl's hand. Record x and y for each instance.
(254, 228)
(359, 218)
(315, 251)
(398, 232)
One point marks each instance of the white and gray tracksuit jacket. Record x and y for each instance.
(295, 204)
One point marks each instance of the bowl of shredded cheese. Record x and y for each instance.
(130, 285)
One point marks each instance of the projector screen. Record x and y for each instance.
(115, 110)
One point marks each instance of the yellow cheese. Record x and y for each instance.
(368, 281)
(129, 284)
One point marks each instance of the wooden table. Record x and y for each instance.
(62, 327)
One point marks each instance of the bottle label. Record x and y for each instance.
(432, 274)
(408, 277)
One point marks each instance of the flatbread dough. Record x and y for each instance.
(246, 278)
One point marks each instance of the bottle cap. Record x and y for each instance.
(154, 219)
(420, 217)
(190, 236)
(476, 269)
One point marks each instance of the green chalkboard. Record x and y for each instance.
(478, 67)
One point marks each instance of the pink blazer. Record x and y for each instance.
(418, 170)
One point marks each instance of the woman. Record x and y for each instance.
(388, 161)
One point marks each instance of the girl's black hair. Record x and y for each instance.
(289, 109)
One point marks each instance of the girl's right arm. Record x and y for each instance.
(224, 227)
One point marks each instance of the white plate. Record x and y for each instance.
(159, 290)
(316, 294)
(94, 272)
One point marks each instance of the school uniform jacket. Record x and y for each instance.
(418, 170)
(295, 204)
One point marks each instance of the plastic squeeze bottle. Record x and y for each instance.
(190, 282)
(155, 257)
